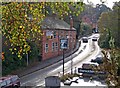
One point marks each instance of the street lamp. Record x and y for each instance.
(71, 56)
(27, 59)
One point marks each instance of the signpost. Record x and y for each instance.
(63, 45)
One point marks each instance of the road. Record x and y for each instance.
(85, 53)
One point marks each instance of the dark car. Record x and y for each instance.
(10, 81)
(94, 39)
(98, 60)
(89, 66)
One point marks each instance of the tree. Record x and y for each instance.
(111, 66)
(85, 29)
(109, 28)
(109, 21)
(21, 21)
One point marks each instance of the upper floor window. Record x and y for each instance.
(53, 46)
(54, 34)
(46, 48)
(49, 34)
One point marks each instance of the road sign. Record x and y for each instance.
(63, 43)
(81, 70)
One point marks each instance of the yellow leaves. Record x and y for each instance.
(39, 31)
(25, 45)
(76, 14)
(3, 56)
(53, 11)
(30, 8)
(15, 49)
(19, 5)
(21, 26)
(12, 52)
(35, 18)
(26, 15)
(56, 3)
(20, 51)
(35, 30)
(19, 56)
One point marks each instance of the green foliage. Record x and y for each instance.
(111, 65)
(85, 29)
(68, 76)
(110, 21)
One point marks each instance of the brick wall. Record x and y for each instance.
(71, 35)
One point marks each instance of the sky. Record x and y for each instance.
(109, 3)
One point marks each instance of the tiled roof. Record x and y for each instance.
(55, 23)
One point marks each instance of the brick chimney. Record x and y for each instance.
(71, 22)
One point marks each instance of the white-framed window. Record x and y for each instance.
(56, 46)
(53, 46)
(46, 48)
(54, 34)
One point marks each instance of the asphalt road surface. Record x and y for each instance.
(85, 53)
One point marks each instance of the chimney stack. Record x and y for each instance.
(71, 22)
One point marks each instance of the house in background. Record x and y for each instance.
(86, 19)
(54, 30)
(90, 20)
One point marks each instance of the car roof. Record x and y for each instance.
(2, 78)
(84, 37)
(91, 63)
(7, 77)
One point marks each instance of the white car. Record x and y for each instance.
(85, 39)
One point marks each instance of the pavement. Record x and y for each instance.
(48, 62)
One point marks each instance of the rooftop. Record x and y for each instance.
(55, 23)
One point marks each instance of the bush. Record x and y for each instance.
(67, 76)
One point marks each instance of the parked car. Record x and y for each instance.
(10, 81)
(98, 60)
(89, 66)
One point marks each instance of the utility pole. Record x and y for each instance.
(71, 65)
(71, 56)
(27, 59)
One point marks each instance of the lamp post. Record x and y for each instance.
(63, 62)
(71, 65)
(27, 59)
(71, 56)
(71, 26)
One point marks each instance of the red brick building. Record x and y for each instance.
(89, 20)
(54, 30)
(86, 19)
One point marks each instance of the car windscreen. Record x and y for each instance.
(14, 78)
(8, 81)
(3, 83)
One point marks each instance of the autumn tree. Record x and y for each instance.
(109, 29)
(21, 21)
